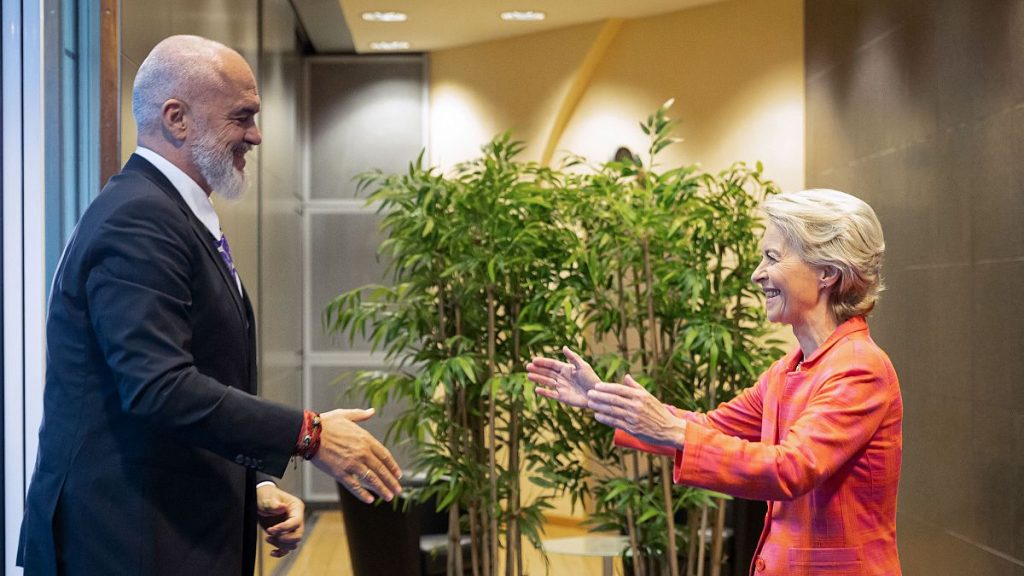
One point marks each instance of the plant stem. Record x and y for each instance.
(513, 542)
(634, 542)
(492, 422)
(454, 514)
(692, 525)
(666, 472)
(702, 538)
(717, 537)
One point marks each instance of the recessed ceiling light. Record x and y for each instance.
(389, 46)
(523, 16)
(385, 16)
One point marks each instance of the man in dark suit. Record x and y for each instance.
(152, 438)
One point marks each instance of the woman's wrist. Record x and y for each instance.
(678, 433)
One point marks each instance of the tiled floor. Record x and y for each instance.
(325, 551)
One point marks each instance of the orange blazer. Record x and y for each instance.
(822, 444)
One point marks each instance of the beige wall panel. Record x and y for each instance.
(483, 90)
(734, 68)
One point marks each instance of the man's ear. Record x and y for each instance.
(176, 118)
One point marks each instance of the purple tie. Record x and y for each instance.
(225, 253)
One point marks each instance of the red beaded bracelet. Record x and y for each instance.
(309, 436)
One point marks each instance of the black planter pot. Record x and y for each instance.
(387, 540)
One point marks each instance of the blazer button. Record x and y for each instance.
(759, 564)
(239, 459)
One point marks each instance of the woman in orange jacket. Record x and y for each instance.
(820, 434)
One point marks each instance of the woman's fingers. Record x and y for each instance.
(542, 363)
(532, 370)
(633, 383)
(547, 393)
(610, 404)
(573, 357)
(542, 381)
(620, 390)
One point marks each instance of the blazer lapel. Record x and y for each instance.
(139, 164)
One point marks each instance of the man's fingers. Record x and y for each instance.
(272, 507)
(384, 455)
(376, 484)
(351, 483)
(382, 481)
(356, 414)
(286, 526)
(290, 538)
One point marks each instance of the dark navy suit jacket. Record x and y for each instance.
(151, 435)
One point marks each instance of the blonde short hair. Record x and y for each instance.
(832, 228)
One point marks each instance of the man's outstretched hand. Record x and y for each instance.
(354, 458)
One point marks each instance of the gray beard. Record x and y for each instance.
(217, 167)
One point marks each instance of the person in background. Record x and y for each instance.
(153, 440)
(819, 436)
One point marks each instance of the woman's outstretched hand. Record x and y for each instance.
(566, 382)
(632, 408)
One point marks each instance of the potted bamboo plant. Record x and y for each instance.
(646, 269)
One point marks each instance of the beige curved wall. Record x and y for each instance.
(734, 68)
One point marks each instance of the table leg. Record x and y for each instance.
(607, 571)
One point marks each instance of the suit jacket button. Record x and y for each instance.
(239, 459)
(759, 564)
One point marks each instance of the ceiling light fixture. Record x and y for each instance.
(389, 46)
(385, 16)
(523, 16)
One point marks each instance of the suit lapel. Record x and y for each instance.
(139, 164)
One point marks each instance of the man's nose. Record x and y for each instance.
(253, 136)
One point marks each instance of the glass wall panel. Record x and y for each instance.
(344, 252)
(364, 113)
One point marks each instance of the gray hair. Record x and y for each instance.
(832, 228)
(178, 67)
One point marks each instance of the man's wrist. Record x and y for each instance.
(309, 436)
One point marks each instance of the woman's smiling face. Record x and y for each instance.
(791, 286)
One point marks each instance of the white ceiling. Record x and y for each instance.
(440, 24)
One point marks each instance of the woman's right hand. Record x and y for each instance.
(566, 382)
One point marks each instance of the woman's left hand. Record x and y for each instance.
(631, 408)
